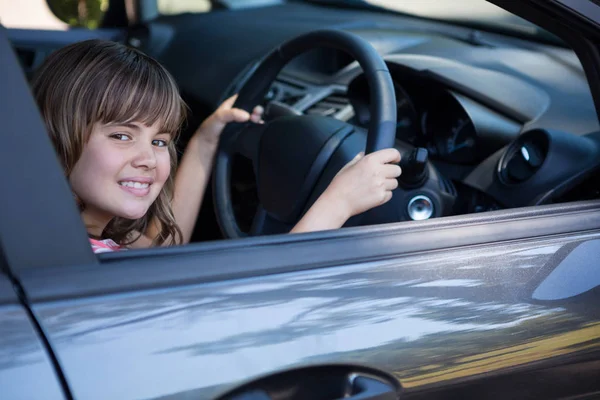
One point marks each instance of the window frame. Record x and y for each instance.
(39, 203)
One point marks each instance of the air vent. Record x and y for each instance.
(334, 105)
(524, 157)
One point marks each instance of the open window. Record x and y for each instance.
(32, 220)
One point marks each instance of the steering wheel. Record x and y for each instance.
(295, 157)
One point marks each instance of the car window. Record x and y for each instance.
(478, 12)
(170, 7)
(29, 14)
(52, 14)
(80, 13)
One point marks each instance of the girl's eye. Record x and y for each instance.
(159, 143)
(120, 136)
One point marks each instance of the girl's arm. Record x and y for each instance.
(363, 183)
(190, 183)
(196, 165)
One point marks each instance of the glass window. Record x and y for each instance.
(170, 7)
(478, 12)
(52, 14)
(29, 14)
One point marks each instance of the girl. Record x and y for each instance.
(114, 114)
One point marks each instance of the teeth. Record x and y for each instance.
(136, 185)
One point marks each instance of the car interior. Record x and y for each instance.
(488, 118)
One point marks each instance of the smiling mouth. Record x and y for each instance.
(134, 185)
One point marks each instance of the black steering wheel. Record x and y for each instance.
(295, 157)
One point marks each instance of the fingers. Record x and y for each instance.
(227, 104)
(356, 159)
(239, 115)
(258, 110)
(350, 163)
(390, 184)
(257, 114)
(232, 115)
(226, 113)
(387, 197)
(386, 156)
(391, 170)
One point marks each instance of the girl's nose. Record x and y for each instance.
(145, 158)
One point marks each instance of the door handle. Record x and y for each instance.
(322, 382)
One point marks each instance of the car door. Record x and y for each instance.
(23, 354)
(496, 305)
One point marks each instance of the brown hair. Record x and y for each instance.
(98, 81)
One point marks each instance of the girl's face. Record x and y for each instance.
(121, 172)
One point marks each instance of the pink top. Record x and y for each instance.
(104, 245)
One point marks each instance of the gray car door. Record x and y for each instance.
(27, 370)
(502, 304)
(507, 307)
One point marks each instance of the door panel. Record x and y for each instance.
(26, 371)
(442, 322)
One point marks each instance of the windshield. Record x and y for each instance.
(464, 10)
(479, 13)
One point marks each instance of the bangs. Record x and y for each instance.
(139, 90)
(98, 81)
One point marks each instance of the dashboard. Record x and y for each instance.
(460, 112)
(462, 101)
(452, 127)
(464, 95)
(466, 114)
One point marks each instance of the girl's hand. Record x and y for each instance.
(210, 130)
(365, 182)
